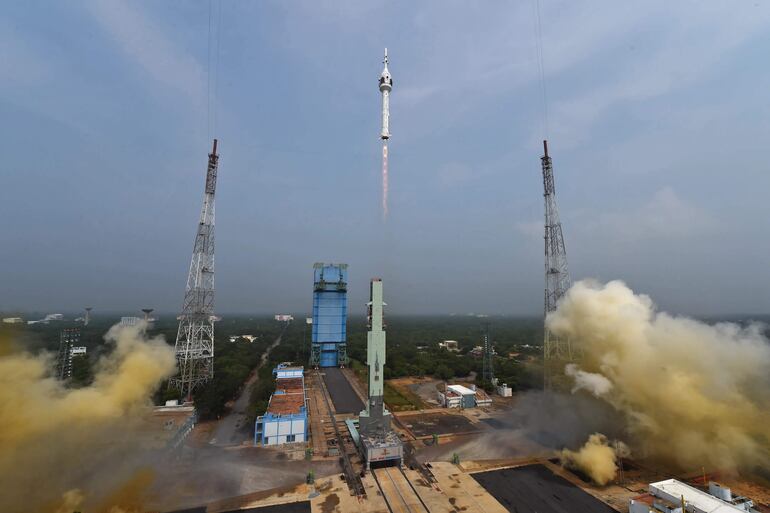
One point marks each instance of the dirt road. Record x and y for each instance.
(233, 429)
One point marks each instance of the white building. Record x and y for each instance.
(457, 396)
(667, 497)
(286, 370)
(129, 321)
(13, 320)
(450, 345)
(77, 351)
(250, 338)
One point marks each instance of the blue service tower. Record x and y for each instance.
(330, 314)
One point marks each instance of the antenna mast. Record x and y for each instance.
(195, 338)
(488, 371)
(557, 351)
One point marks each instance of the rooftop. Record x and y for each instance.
(461, 389)
(672, 490)
(288, 398)
(289, 385)
(286, 404)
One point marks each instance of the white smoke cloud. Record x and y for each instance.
(597, 384)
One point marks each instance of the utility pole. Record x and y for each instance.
(557, 351)
(68, 338)
(195, 337)
(488, 371)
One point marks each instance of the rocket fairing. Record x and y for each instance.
(386, 85)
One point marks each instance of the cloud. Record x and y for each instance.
(665, 217)
(149, 47)
(689, 47)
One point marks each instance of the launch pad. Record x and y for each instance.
(382, 450)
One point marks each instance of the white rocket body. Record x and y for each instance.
(386, 85)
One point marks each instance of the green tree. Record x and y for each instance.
(444, 372)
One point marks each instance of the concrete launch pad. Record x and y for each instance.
(343, 396)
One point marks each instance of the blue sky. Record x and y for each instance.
(657, 122)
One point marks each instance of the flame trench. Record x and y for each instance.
(384, 181)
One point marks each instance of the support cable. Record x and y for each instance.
(541, 64)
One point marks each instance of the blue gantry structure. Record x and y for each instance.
(330, 313)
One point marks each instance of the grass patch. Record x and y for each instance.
(396, 400)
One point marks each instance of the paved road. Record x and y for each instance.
(341, 391)
(233, 429)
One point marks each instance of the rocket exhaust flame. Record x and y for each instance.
(384, 181)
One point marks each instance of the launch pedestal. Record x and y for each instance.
(377, 441)
(385, 450)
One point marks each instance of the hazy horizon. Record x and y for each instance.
(657, 123)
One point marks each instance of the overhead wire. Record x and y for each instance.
(212, 66)
(208, 75)
(540, 64)
(216, 65)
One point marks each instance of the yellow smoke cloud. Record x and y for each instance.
(53, 440)
(597, 458)
(691, 394)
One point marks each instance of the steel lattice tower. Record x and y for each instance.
(556, 350)
(195, 338)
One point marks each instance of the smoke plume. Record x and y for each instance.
(55, 440)
(690, 394)
(597, 458)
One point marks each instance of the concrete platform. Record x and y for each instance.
(343, 396)
(442, 423)
(462, 491)
(536, 488)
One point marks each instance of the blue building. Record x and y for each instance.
(330, 313)
(285, 420)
